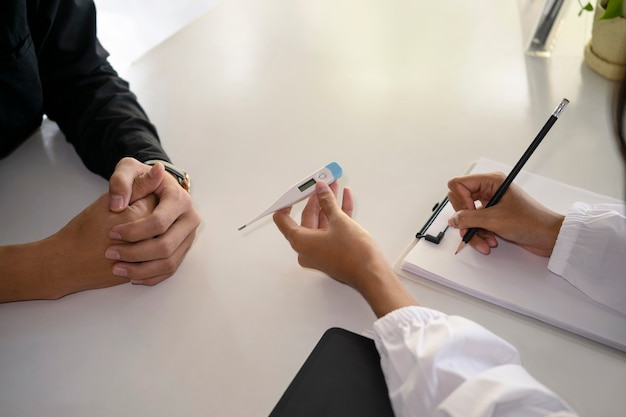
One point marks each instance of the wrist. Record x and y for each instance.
(554, 228)
(383, 290)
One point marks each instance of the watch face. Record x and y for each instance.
(186, 183)
(182, 177)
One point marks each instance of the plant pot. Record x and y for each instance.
(606, 51)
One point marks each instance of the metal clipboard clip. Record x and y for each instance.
(436, 210)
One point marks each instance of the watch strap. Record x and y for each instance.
(180, 174)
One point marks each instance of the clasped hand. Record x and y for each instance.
(518, 217)
(149, 248)
(139, 231)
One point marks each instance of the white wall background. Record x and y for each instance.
(129, 28)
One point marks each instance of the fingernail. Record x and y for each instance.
(112, 254)
(120, 271)
(136, 281)
(115, 235)
(116, 202)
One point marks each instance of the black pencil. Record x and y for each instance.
(517, 168)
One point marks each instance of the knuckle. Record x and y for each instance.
(197, 219)
(128, 254)
(160, 225)
(302, 261)
(453, 181)
(151, 272)
(461, 218)
(124, 161)
(167, 248)
(499, 176)
(170, 265)
(160, 248)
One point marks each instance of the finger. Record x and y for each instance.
(465, 190)
(152, 272)
(161, 247)
(150, 281)
(121, 182)
(467, 219)
(480, 245)
(347, 202)
(488, 237)
(477, 242)
(461, 190)
(146, 184)
(173, 203)
(456, 203)
(483, 241)
(144, 206)
(284, 221)
(323, 219)
(146, 273)
(137, 210)
(327, 200)
(311, 213)
(297, 236)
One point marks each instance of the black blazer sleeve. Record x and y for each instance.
(92, 105)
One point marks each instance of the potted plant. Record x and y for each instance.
(606, 51)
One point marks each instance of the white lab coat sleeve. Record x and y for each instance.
(437, 365)
(590, 252)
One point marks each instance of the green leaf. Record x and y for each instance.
(613, 10)
(588, 7)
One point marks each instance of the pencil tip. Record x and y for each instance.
(240, 228)
(461, 246)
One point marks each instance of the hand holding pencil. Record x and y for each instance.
(518, 217)
(506, 183)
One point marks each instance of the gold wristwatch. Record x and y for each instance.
(180, 174)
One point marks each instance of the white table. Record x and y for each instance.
(249, 98)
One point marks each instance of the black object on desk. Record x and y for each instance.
(341, 377)
(437, 208)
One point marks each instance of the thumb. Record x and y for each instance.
(146, 184)
(125, 186)
(327, 199)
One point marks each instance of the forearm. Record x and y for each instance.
(27, 272)
(101, 117)
(383, 290)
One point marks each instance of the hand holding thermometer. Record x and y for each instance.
(302, 190)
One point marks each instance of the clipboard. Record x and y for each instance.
(341, 377)
(511, 277)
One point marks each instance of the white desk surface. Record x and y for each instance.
(249, 98)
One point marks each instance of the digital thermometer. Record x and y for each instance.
(329, 174)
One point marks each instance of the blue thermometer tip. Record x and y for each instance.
(336, 169)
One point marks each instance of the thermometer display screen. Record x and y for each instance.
(306, 185)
